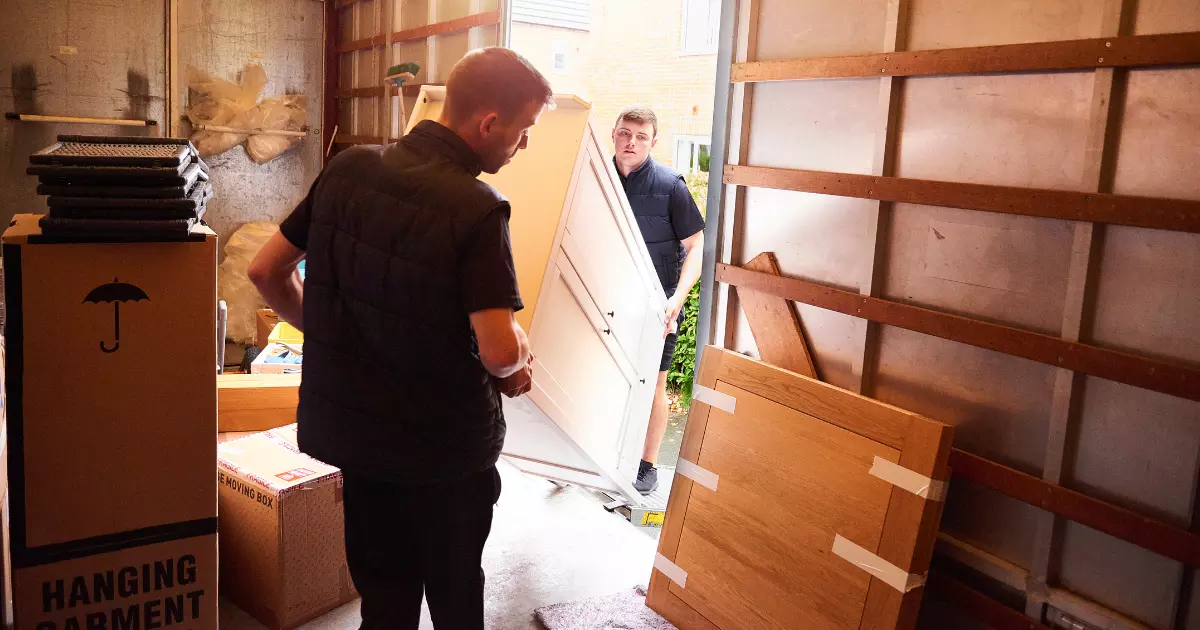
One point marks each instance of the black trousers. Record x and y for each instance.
(403, 541)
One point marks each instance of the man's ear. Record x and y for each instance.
(488, 123)
(654, 142)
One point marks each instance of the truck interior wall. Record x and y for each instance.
(100, 60)
(1130, 446)
(365, 117)
(287, 38)
(452, 46)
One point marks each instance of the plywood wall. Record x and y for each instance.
(102, 59)
(1135, 448)
(285, 37)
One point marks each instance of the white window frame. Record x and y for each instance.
(711, 23)
(693, 153)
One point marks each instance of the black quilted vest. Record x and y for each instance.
(649, 191)
(393, 387)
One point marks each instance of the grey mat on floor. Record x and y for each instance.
(623, 611)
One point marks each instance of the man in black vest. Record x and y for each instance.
(410, 340)
(673, 229)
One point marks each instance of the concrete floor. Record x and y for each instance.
(548, 545)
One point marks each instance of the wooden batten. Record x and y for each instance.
(449, 26)
(1181, 215)
(776, 327)
(1152, 374)
(1101, 52)
(1162, 538)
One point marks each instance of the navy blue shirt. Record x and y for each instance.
(666, 214)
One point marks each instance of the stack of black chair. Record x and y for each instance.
(121, 188)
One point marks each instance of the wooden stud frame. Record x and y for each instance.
(373, 42)
(1098, 159)
(910, 526)
(740, 108)
(883, 164)
(1091, 207)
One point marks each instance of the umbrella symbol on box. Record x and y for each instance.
(115, 292)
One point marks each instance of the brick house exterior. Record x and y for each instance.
(630, 52)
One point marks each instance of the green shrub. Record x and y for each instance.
(683, 363)
(697, 183)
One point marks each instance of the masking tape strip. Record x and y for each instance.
(887, 572)
(713, 398)
(706, 478)
(671, 570)
(906, 479)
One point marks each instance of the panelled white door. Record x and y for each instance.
(612, 280)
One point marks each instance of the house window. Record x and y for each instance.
(560, 56)
(691, 154)
(701, 27)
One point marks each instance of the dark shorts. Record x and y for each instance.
(668, 352)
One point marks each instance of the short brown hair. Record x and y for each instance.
(495, 79)
(639, 114)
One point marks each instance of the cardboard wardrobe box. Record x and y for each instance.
(111, 450)
(283, 552)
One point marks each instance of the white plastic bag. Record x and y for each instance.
(233, 282)
(215, 101)
(286, 113)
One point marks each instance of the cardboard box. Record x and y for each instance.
(265, 320)
(111, 450)
(278, 358)
(283, 554)
(256, 402)
(286, 333)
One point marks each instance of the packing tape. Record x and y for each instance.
(714, 398)
(887, 572)
(706, 478)
(671, 570)
(906, 479)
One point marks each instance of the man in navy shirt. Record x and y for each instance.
(673, 229)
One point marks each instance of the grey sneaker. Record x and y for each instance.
(647, 480)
